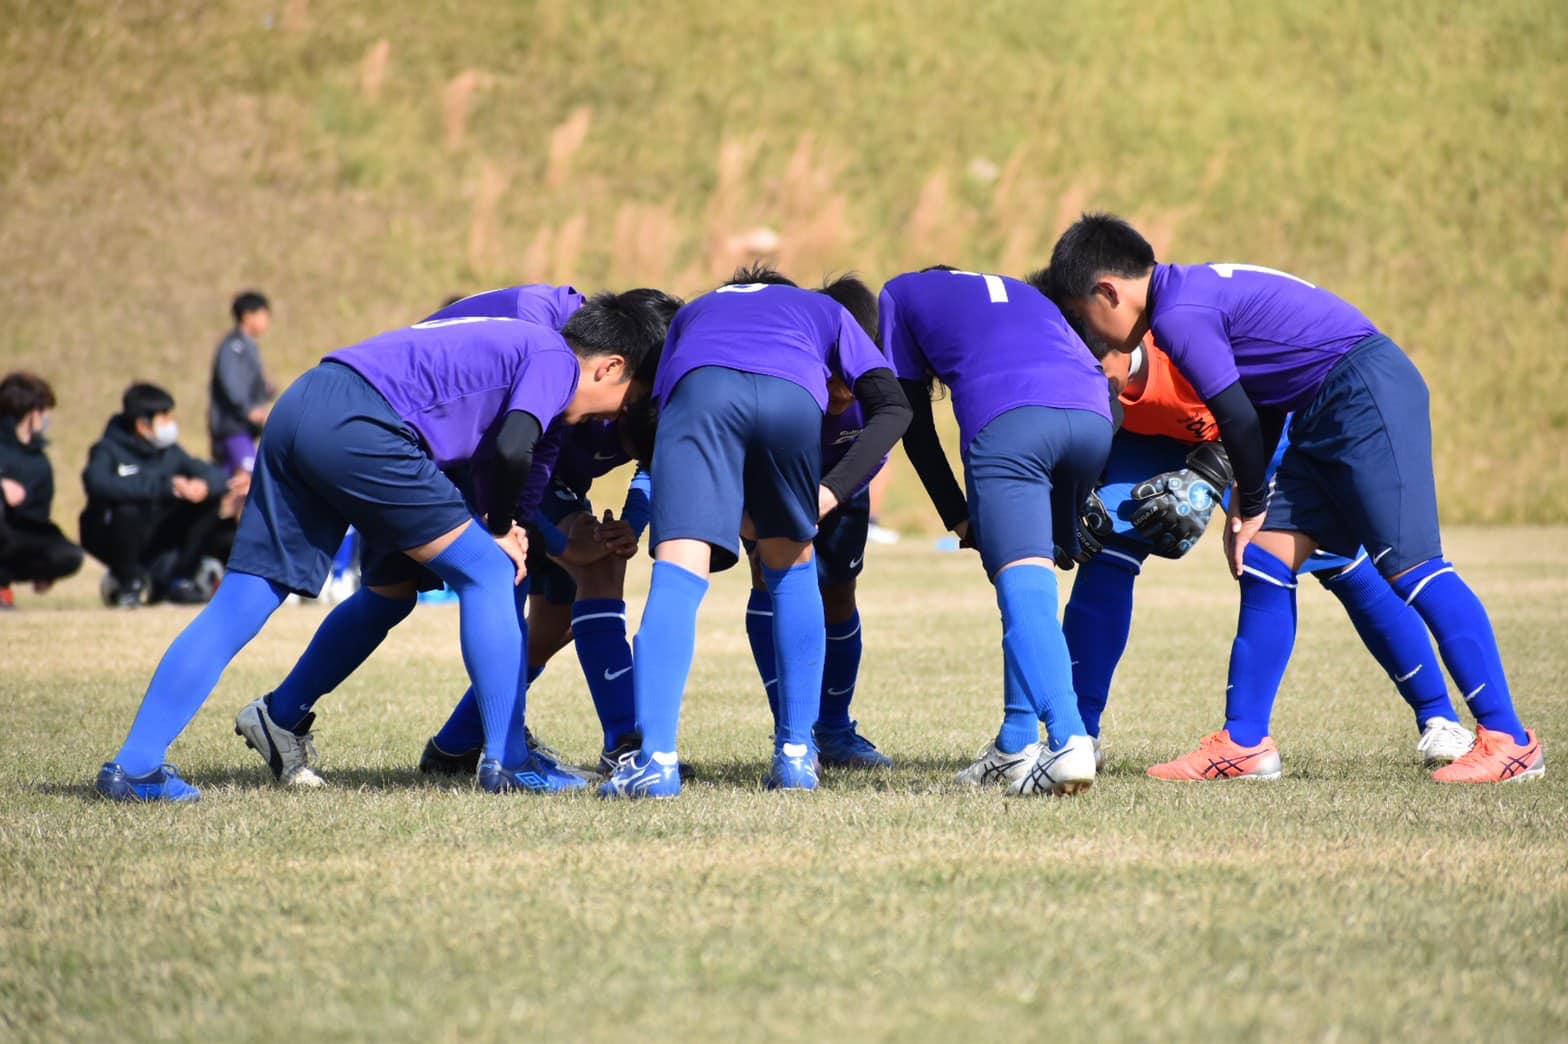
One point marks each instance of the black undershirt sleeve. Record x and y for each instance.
(925, 453)
(1249, 440)
(514, 456)
(887, 415)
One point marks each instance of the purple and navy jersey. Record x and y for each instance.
(589, 450)
(539, 303)
(1278, 334)
(453, 380)
(997, 343)
(774, 330)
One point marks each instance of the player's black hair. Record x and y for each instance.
(1041, 281)
(248, 302)
(759, 272)
(1095, 246)
(450, 301)
(630, 324)
(639, 425)
(145, 401)
(21, 393)
(857, 299)
(939, 268)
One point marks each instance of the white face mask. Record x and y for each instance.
(42, 428)
(165, 434)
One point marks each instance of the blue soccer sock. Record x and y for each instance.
(1465, 640)
(192, 665)
(464, 729)
(345, 639)
(1020, 720)
(1096, 623)
(840, 670)
(481, 574)
(1265, 634)
(759, 632)
(799, 635)
(599, 630)
(1032, 640)
(666, 639)
(1395, 636)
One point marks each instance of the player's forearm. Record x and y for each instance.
(1241, 431)
(514, 457)
(887, 418)
(924, 450)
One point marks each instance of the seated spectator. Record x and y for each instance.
(31, 547)
(154, 512)
(240, 392)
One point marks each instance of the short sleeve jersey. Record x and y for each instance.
(997, 343)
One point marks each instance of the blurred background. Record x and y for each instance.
(361, 163)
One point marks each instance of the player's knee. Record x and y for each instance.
(838, 602)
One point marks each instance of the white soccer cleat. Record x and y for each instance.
(1065, 771)
(992, 768)
(1443, 741)
(288, 754)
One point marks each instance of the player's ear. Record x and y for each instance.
(1108, 290)
(612, 368)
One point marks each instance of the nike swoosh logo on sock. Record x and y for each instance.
(841, 692)
(608, 676)
(1412, 674)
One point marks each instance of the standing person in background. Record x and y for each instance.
(31, 546)
(241, 394)
(153, 510)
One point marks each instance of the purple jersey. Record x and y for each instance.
(997, 343)
(533, 302)
(778, 331)
(1277, 334)
(453, 380)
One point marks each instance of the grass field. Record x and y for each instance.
(1353, 900)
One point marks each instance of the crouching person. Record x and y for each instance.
(153, 511)
(31, 546)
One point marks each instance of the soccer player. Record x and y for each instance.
(278, 726)
(741, 391)
(360, 440)
(1165, 473)
(1034, 427)
(576, 594)
(1257, 344)
(840, 552)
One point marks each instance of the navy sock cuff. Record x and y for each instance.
(760, 601)
(1260, 565)
(1410, 584)
(594, 615)
(844, 629)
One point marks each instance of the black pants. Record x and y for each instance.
(35, 551)
(164, 540)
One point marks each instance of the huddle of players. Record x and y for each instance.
(774, 406)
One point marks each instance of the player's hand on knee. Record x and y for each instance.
(583, 546)
(515, 544)
(617, 536)
(1238, 534)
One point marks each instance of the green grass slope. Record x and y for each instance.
(360, 162)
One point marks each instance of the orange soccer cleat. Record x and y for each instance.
(1220, 757)
(1496, 758)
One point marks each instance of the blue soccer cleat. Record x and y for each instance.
(161, 784)
(537, 774)
(792, 771)
(847, 748)
(637, 775)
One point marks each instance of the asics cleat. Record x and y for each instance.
(1443, 741)
(995, 768)
(792, 771)
(537, 774)
(1065, 771)
(437, 762)
(1220, 757)
(288, 753)
(847, 748)
(638, 775)
(161, 784)
(1496, 758)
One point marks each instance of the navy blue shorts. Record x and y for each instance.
(1358, 472)
(729, 442)
(1028, 472)
(334, 453)
(551, 581)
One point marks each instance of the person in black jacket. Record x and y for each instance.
(153, 511)
(31, 547)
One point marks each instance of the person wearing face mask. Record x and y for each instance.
(154, 512)
(31, 546)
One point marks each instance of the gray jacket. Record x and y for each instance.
(238, 386)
